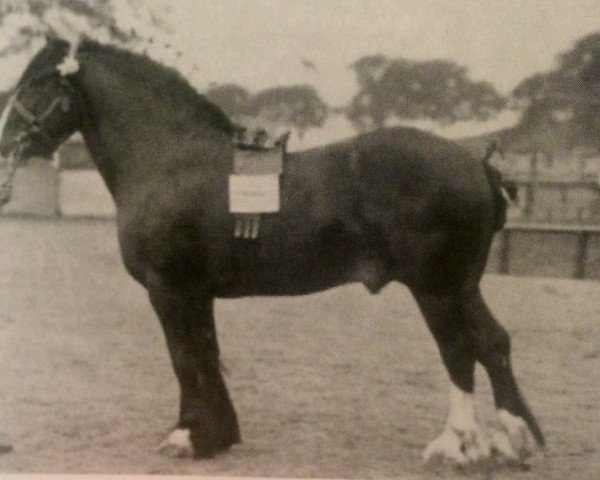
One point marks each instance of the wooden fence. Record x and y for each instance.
(566, 191)
(548, 250)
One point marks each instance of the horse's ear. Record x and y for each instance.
(54, 39)
(51, 35)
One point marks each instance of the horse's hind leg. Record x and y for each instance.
(515, 419)
(466, 332)
(207, 420)
(461, 441)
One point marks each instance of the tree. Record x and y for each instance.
(297, 106)
(569, 94)
(369, 69)
(231, 98)
(437, 89)
(583, 61)
(23, 22)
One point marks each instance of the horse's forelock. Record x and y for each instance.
(74, 45)
(46, 60)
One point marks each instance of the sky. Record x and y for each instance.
(261, 43)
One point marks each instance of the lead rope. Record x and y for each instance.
(7, 186)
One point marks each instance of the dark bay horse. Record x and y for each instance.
(391, 205)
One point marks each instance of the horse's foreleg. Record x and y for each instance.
(462, 441)
(515, 419)
(207, 420)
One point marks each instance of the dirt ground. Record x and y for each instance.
(340, 384)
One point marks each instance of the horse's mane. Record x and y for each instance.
(165, 82)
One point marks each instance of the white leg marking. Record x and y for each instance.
(513, 440)
(461, 441)
(177, 444)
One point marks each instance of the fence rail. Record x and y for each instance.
(560, 250)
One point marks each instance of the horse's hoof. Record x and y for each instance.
(457, 447)
(177, 445)
(513, 441)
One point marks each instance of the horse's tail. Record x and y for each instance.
(502, 195)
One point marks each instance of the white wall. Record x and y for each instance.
(82, 193)
(35, 190)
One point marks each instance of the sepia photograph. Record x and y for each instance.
(333, 239)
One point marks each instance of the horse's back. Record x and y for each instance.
(399, 173)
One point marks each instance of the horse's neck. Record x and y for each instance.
(120, 114)
(131, 132)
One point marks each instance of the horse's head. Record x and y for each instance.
(41, 112)
(151, 104)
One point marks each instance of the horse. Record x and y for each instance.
(395, 204)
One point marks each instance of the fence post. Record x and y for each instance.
(504, 266)
(581, 254)
(531, 182)
(56, 163)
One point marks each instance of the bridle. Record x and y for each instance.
(35, 126)
(35, 123)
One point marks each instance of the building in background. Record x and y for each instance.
(69, 186)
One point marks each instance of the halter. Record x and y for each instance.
(35, 123)
(35, 126)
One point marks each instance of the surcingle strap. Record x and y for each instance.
(254, 184)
